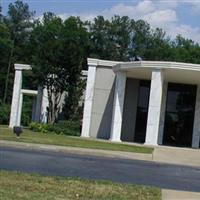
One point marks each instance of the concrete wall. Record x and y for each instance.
(130, 110)
(103, 103)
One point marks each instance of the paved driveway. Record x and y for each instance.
(91, 167)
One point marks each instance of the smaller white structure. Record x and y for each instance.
(40, 101)
(40, 107)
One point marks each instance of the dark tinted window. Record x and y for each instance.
(142, 111)
(179, 117)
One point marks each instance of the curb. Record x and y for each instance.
(77, 150)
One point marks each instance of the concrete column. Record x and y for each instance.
(15, 99)
(154, 111)
(162, 117)
(118, 105)
(33, 109)
(19, 114)
(38, 104)
(89, 97)
(196, 128)
(45, 104)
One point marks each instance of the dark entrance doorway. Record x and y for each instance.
(179, 115)
(142, 111)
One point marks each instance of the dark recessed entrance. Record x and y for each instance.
(179, 115)
(142, 111)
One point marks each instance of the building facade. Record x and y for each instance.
(150, 102)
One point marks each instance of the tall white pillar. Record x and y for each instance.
(44, 105)
(89, 98)
(155, 104)
(15, 98)
(38, 104)
(196, 128)
(118, 105)
(33, 109)
(19, 114)
(162, 117)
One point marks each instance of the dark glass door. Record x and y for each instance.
(142, 111)
(179, 116)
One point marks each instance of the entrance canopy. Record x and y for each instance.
(173, 71)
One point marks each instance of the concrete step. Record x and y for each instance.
(173, 155)
(179, 195)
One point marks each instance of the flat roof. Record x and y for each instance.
(98, 62)
(117, 65)
(157, 65)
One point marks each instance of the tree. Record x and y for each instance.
(5, 46)
(58, 49)
(19, 20)
(158, 46)
(141, 34)
(120, 34)
(185, 50)
(101, 46)
(111, 39)
(1, 15)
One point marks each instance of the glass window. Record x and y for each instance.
(179, 117)
(142, 111)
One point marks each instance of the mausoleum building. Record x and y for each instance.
(150, 102)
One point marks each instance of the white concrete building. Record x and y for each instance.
(146, 102)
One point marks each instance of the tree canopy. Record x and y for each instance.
(57, 49)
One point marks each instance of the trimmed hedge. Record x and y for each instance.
(62, 127)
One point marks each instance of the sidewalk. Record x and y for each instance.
(161, 154)
(76, 150)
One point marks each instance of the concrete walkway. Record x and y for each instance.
(161, 154)
(179, 195)
(77, 150)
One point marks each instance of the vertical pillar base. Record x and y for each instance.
(196, 128)
(16, 99)
(154, 111)
(118, 104)
(89, 97)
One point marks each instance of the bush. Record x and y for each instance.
(37, 127)
(63, 127)
(4, 113)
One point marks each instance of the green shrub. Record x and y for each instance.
(4, 113)
(34, 126)
(63, 127)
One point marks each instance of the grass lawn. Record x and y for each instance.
(49, 138)
(21, 186)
